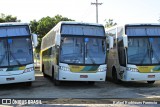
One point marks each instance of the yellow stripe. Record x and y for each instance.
(22, 68)
(74, 68)
(147, 69)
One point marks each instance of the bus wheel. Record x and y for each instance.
(150, 82)
(57, 82)
(43, 71)
(28, 84)
(53, 73)
(114, 76)
(91, 82)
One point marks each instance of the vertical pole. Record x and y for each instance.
(96, 9)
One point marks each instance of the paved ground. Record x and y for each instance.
(81, 92)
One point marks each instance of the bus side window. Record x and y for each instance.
(53, 51)
(121, 53)
(50, 51)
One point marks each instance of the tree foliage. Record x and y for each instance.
(44, 25)
(8, 18)
(109, 23)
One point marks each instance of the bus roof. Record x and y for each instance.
(142, 24)
(72, 23)
(79, 23)
(133, 24)
(12, 24)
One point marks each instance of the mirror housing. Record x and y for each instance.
(111, 42)
(35, 40)
(125, 41)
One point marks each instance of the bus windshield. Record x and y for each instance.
(143, 50)
(15, 51)
(78, 50)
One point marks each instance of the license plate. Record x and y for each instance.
(151, 76)
(10, 79)
(83, 76)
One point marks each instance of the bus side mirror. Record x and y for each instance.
(57, 40)
(125, 41)
(35, 40)
(111, 42)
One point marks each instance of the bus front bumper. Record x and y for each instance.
(25, 77)
(70, 76)
(137, 76)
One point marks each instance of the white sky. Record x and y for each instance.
(121, 11)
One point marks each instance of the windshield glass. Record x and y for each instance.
(15, 51)
(80, 50)
(143, 50)
(3, 53)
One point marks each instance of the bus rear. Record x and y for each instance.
(16, 55)
(82, 53)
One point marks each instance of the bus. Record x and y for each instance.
(74, 51)
(134, 53)
(16, 53)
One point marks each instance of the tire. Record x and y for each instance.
(28, 84)
(52, 74)
(43, 71)
(150, 82)
(114, 76)
(57, 82)
(91, 82)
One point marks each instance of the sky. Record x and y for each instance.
(121, 11)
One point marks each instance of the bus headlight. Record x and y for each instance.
(132, 69)
(63, 68)
(28, 70)
(102, 69)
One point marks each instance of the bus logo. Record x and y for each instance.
(6, 101)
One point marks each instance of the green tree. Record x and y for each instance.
(109, 23)
(59, 18)
(8, 18)
(44, 25)
(33, 26)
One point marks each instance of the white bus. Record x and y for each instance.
(74, 51)
(134, 52)
(16, 53)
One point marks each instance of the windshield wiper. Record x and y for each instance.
(144, 57)
(93, 61)
(15, 59)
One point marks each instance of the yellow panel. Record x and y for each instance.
(148, 69)
(22, 68)
(74, 68)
